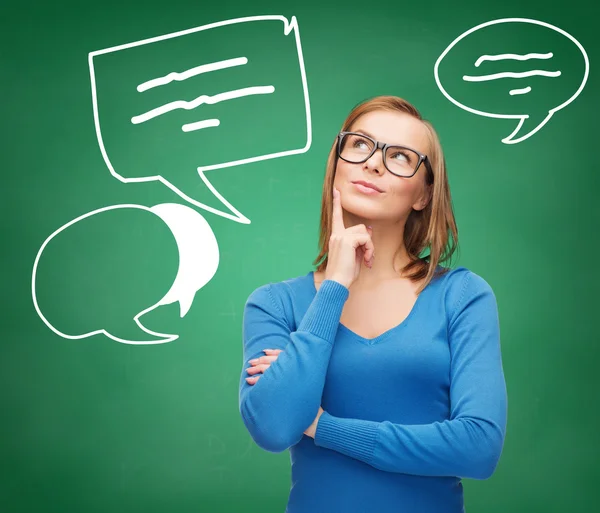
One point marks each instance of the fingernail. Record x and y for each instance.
(253, 361)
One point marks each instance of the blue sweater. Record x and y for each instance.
(408, 414)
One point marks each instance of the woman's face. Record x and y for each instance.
(400, 194)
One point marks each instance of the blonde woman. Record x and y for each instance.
(381, 370)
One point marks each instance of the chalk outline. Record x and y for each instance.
(167, 299)
(522, 117)
(169, 337)
(289, 25)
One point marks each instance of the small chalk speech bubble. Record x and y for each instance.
(90, 276)
(513, 68)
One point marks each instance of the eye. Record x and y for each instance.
(400, 156)
(360, 143)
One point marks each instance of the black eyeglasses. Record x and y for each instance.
(402, 161)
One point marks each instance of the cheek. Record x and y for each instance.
(404, 191)
(346, 171)
(401, 187)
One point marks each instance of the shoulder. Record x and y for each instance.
(461, 278)
(280, 298)
(460, 286)
(287, 288)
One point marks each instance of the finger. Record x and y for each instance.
(263, 359)
(360, 256)
(364, 239)
(257, 369)
(337, 219)
(273, 351)
(252, 380)
(369, 261)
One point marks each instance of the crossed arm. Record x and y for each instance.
(468, 444)
(284, 402)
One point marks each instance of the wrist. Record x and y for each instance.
(339, 280)
(316, 423)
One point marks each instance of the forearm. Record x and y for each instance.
(464, 447)
(279, 407)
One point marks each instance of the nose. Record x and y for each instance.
(375, 161)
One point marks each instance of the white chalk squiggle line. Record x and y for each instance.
(510, 74)
(515, 56)
(520, 91)
(192, 72)
(211, 100)
(189, 127)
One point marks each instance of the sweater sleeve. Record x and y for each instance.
(470, 442)
(279, 407)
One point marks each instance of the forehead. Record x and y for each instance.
(393, 128)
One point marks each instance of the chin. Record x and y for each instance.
(362, 207)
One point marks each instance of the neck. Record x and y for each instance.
(390, 252)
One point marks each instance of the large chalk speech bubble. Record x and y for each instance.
(513, 68)
(171, 108)
(198, 262)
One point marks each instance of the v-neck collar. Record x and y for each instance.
(385, 334)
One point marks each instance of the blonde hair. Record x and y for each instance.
(433, 227)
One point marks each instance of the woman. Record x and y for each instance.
(381, 371)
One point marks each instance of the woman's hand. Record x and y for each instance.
(347, 247)
(312, 429)
(261, 364)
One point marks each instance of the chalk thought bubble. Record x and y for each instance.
(513, 68)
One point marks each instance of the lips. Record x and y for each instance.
(368, 184)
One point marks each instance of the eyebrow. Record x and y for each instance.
(365, 132)
(359, 130)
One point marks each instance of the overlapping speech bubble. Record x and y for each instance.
(172, 107)
(198, 263)
(493, 67)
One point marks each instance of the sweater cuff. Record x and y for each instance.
(322, 318)
(353, 437)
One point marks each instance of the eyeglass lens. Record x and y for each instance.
(400, 161)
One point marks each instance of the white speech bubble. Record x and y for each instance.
(522, 117)
(198, 263)
(163, 79)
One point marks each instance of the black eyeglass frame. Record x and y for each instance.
(384, 146)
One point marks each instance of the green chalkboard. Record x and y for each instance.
(134, 228)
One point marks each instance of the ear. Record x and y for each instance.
(425, 198)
